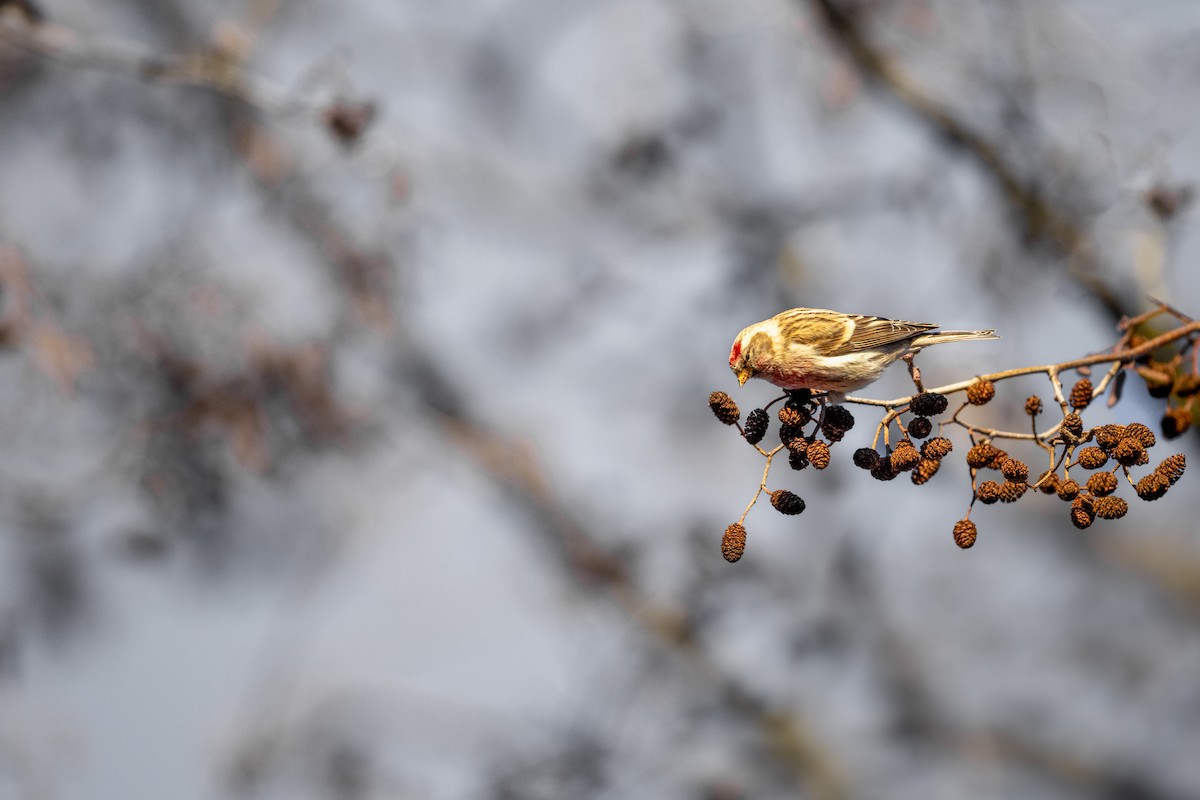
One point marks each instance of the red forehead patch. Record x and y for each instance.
(736, 352)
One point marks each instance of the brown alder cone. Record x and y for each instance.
(1081, 394)
(1068, 489)
(1015, 470)
(1129, 452)
(1175, 422)
(1072, 425)
(1081, 518)
(724, 408)
(1140, 432)
(982, 455)
(733, 543)
(790, 416)
(1092, 458)
(988, 492)
(1110, 507)
(1153, 486)
(965, 533)
(926, 468)
(1082, 513)
(1102, 483)
(1186, 384)
(905, 456)
(818, 454)
(1172, 467)
(1109, 436)
(1011, 492)
(981, 392)
(937, 448)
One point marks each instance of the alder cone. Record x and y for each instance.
(926, 468)
(733, 543)
(756, 426)
(965, 533)
(981, 392)
(724, 408)
(1081, 394)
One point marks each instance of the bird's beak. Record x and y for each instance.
(743, 376)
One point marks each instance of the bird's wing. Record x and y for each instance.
(820, 329)
(868, 333)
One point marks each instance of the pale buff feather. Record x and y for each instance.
(825, 350)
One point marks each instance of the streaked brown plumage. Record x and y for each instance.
(829, 351)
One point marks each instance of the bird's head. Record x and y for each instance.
(750, 348)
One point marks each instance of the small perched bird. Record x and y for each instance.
(812, 348)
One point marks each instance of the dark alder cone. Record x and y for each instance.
(1136, 430)
(965, 533)
(1081, 518)
(1187, 384)
(733, 543)
(928, 404)
(1072, 425)
(884, 469)
(798, 458)
(905, 456)
(937, 448)
(799, 398)
(1109, 436)
(833, 434)
(920, 427)
(786, 503)
(865, 458)
(1033, 405)
(1175, 422)
(790, 416)
(1081, 394)
(790, 433)
(724, 408)
(988, 492)
(839, 417)
(1092, 458)
(1153, 486)
(1172, 467)
(925, 469)
(1068, 490)
(1158, 384)
(981, 392)
(1011, 492)
(1048, 482)
(1102, 483)
(818, 454)
(1129, 452)
(1110, 507)
(756, 426)
(982, 455)
(1015, 470)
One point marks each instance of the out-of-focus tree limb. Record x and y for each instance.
(1042, 222)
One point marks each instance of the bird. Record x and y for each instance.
(823, 350)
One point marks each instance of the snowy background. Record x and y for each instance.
(378, 465)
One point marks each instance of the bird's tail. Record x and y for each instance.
(941, 337)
